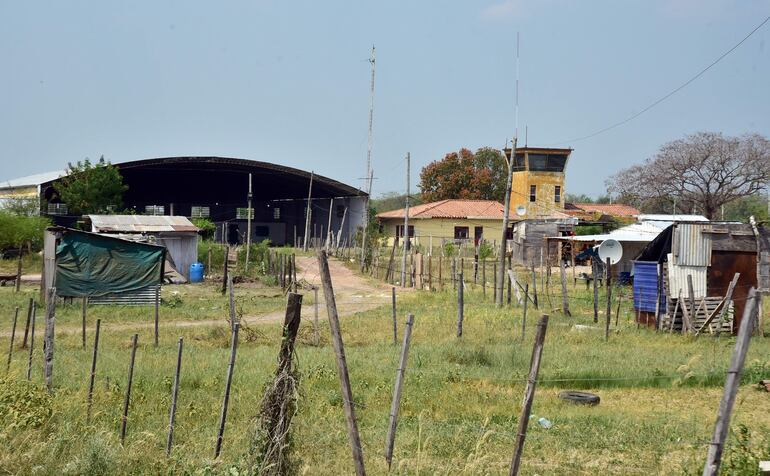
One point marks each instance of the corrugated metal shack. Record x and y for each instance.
(529, 243)
(176, 233)
(692, 264)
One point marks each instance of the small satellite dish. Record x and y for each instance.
(611, 249)
(521, 210)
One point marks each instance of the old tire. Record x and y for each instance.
(581, 398)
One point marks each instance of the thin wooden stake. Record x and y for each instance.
(316, 330)
(728, 298)
(157, 312)
(722, 426)
(85, 306)
(460, 304)
(92, 377)
(30, 308)
(228, 384)
(127, 400)
(50, 321)
(18, 271)
(231, 303)
(395, 320)
(225, 270)
(397, 390)
(174, 395)
(31, 342)
(524, 313)
(534, 286)
(529, 394)
(595, 272)
(609, 301)
(13, 334)
(342, 366)
(564, 299)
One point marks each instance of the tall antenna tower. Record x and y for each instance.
(371, 121)
(516, 114)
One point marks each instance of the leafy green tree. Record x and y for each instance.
(16, 230)
(92, 188)
(394, 201)
(479, 175)
(206, 227)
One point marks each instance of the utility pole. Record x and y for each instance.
(368, 163)
(500, 278)
(307, 212)
(406, 225)
(248, 226)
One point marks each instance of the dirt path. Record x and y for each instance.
(353, 294)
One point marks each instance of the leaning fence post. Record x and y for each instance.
(316, 331)
(50, 321)
(174, 394)
(395, 320)
(231, 302)
(342, 366)
(228, 384)
(722, 426)
(31, 343)
(93, 372)
(529, 394)
(397, 390)
(124, 418)
(13, 334)
(524, 312)
(30, 309)
(460, 305)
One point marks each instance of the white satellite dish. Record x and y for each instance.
(521, 210)
(611, 249)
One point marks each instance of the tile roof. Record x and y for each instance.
(488, 209)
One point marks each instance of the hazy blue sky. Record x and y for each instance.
(288, 81)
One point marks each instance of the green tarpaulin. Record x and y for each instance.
(92, 265)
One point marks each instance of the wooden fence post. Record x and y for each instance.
(231, 303)
(31, 343)
(595, 272)
(460, 304)
(18, 271)
(157, 312)
(13, 334)
(395, 320)
(316, 330)
(124, 418)
(174, 394)
(228, 384)
(92, 377)
(30, 308)
(85, 305)
(342, 366)
(524, 312)
(564, 299)
(609, 301)
(534, 286)
(728, 297)
(225, 269)
(722, 426)
(484, 277)
(529, 394)
(397, 390)
(50, 321)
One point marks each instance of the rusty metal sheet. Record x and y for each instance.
(691, 247)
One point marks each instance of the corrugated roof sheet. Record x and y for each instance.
(139, 223)
(615, 209)
(486, 209)
(677, 279)
(33, 180)
(690, 246)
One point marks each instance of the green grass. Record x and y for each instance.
(460, 406)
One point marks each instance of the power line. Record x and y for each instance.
(682, 86)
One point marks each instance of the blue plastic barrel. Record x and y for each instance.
(196, 272)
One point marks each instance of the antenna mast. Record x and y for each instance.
(368, 182)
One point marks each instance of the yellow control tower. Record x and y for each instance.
(538, 181)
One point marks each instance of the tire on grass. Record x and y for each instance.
(580, 398)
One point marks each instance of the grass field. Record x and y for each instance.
(460, 406)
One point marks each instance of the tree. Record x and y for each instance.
(700, 172)
(467, 175)
(394, 201)
(16, 230)
(92, 188)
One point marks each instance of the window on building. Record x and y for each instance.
(557, 194)
(243, 213)
(533, 193)
(518, 162)
(400, 231)
(276, 213)
(154, 210)
(199, 212)
(461, 233)
(57, 209)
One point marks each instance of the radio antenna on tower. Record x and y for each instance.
(371, 121)
(516, 114)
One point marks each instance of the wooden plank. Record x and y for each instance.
(392, 424)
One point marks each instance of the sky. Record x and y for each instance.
(288, 81)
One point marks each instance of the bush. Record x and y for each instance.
(23, 404)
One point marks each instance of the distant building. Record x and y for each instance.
(447, 220)
(537, 185)
(217, 188)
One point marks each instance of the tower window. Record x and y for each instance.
(533, 193)
(276, 213)
(557, 194)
